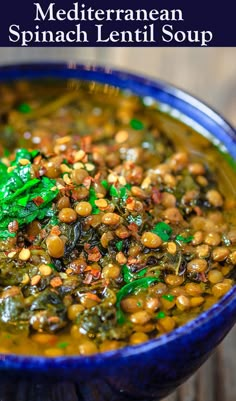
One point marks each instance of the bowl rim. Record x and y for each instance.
(16, 71)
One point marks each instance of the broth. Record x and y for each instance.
(117, 222)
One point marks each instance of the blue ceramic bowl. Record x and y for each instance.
(151, 370)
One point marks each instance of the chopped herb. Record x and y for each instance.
(6, 153)
(34, 153)
(105, 184)
(114, 191)
(186, 240)
(123, 194)
(4, 234)
(120, 193)
(17, 194)
(52, 266)
(130, 288)
(160, 315)
(168, 297)
(163, 230)
(136, 124)
(3, 169)
(139, 304)
(54, 221)
(62, 345)
(128, 186)
(24, 154)
(129, 277)
(92, 198)
(119, 245)
(24, 108)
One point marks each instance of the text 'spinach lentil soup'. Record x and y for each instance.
(114, 228)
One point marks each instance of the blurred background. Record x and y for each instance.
(210, 75)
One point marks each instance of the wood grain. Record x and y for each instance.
(216, 379)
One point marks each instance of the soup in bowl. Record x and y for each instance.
(117, 231)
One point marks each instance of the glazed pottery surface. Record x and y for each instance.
(151, 370)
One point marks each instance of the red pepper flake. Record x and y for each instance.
(94, 254)
(86, 144)
(198, 210)
(133, 227)
(41, 171)
(97, 176)
(54, 319)
(88, 269)
(156, 195)
(43, 233)
(92, 296)
(96, 273)
(38, 200)
(129, 200)
(37, 160)
(56, 282)
(132, 261)
(74, 194)
(203, 277)
(55, 230)
(88, 279)
(13, 226)
(69, 156)
(87, 182)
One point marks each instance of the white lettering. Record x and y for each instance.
(41, 16)
(14, 30)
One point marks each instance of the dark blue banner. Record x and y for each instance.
(198, 23)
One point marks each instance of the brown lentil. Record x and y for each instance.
(173, 215)
(111, 270)
(45, 270)
(196, 168)
(202, 251)
(24, 254)
(87, 348)
(138, 338)
(182, 302)
(63, 202)
(215, 198)
(55, 246)
(83, 209)
(220, 253)
(67, 215)
(220, 289)
(111, 219)
(140, 317)
(196, 301)
(212, 239)
(193, 289)
(79, 175)
(166, 324)
(122, 196)
(215, 276)
(173, 280)
(151, 240)
(197, 265)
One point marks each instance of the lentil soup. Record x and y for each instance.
(116, 223)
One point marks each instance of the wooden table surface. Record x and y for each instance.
(216, 379)
(209, 74)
